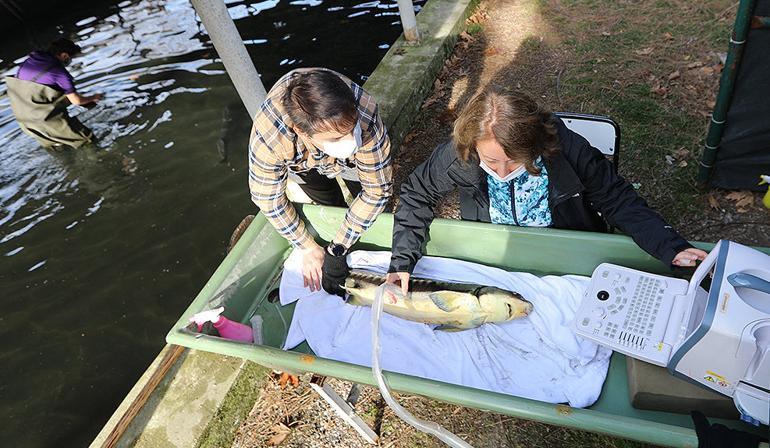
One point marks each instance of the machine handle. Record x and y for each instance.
(749, 281)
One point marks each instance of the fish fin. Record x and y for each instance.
(449, 328)
(445, 300)
(449, 301)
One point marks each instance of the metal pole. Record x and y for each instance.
(408, 21)
(228, 43)
(726, 83)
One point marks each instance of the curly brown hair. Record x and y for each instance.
(524, 128)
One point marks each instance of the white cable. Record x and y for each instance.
(422, 425)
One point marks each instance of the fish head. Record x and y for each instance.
(501, 305)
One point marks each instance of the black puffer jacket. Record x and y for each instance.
(581, 182)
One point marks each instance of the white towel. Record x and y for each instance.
(538, 357)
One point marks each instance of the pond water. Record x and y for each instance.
(101, 249)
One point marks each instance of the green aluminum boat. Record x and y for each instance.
(252, 270)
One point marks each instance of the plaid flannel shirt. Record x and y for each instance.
(275, 149)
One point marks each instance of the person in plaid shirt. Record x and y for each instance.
(314, 125)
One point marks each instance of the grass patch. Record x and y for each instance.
(220, 432)
(474, 28)
(633, 61)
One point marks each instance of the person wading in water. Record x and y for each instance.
(40, 93)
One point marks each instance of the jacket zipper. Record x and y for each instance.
(513, 202)
(561, 198)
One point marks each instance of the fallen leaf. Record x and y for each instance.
(681, 153)
(718, 68)
(491, 51)
(722, 57)
(713, 203)
(674, 75)
(410, 136)
(695, 64)
(606, 34)
(742, 199)
(435, 97)
(682, 164)
(711, 104)
(660, 90)
(668, 36)
(645, 52)
(706, 70)
(451, 61)
(465, 36)
(277, 439)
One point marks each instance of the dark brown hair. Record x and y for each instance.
(319, 101)
(518, 123)
(62, 45)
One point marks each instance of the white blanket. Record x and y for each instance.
(538, 357)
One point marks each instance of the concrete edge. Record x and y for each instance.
(405, 76)
(176, 412)
(400, 83)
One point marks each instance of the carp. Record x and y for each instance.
(451, 306)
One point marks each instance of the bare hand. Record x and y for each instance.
(312, 264)
(688, 257)
(96, 97)
(400, 279)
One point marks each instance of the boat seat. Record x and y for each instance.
(603, 133)
(653, 388)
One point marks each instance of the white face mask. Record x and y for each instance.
(510, 176)
(343, 149)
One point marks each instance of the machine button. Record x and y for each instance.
(602, 295)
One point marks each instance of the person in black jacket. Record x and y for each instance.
(516, 163)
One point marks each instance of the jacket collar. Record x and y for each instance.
(563, 181)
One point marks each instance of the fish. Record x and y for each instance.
(223, 142)
(450, 306)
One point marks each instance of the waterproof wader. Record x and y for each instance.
(41, 112)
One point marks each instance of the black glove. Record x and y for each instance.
(335, 270)
(720, 436)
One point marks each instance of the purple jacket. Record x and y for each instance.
(56, 75)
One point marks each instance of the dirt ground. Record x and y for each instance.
(653, 67)
(299, 418)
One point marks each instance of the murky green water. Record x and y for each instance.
(97, 262)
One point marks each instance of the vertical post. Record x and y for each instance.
(726, 83)
(228, 43)
(408, 21)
